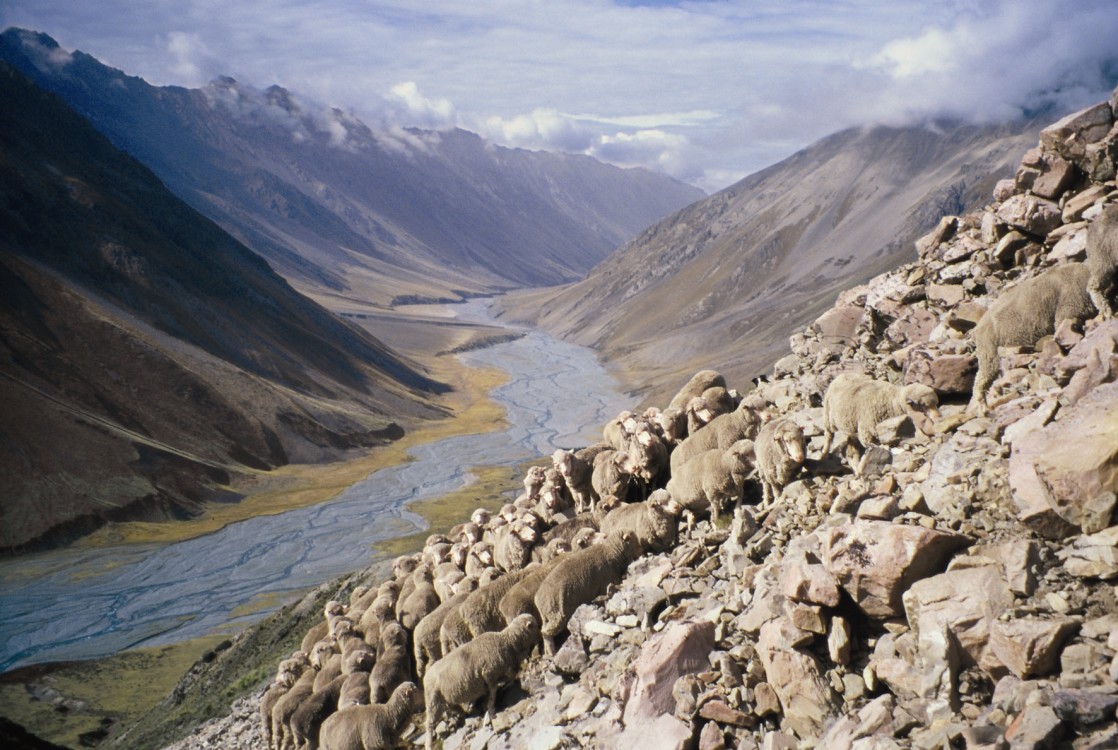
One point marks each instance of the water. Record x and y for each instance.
(82, 604)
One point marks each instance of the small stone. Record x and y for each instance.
(711, 738)
(765, 700)
(720, 711)
(1035, 728)
(838, 640)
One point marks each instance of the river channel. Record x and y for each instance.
(88, 603)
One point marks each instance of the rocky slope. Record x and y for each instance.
(148, 358)
(346, 212)
(958, 592)
(725, 281)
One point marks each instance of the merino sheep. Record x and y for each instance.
(576, 471)
(743, 423)
(655, 521)
(616, 431)
(698, 383)
(355, 690)
(375, 727)
(480, 612)
(479, 668)
(611, 476)
(479, 558)
(286, 706)
(423, 599)
(381, 611)
(514, 547)
(708, 481)
(533, 481)
(1025, 314)
(520, 599)
(1102, 259)
(578, 578)
(673, 425)
(856, 404)
(780, 455)
(308, 717)
(290, 670)
(331, 668)
(705, 407)
(426, 643)
(393, 663)
(647, 456)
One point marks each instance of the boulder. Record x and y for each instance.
(1064, 477)
(1093, 555)
(1037, 216)
(1070, 135)
(948, 374)
(806, 697)
(877, 561)
(678, 650)
(1030, 648)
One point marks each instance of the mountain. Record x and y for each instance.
(723, 282)
(149, 358)
(341, 210)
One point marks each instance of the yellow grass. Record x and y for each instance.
(302, 485)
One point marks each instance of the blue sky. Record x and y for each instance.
(705, 90)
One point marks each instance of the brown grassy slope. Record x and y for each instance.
(724, 282)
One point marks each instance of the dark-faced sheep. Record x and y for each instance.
(698, 383)
(707, 482)
(780, 455)
(1025, 314)
(1102, 259)
(578, 578)
(856, 404)
(477, 669)
(374, 727)
(655, 521)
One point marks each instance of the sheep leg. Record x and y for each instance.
(490, 705)
(1096, 290)
(828, 436)
(549, 645)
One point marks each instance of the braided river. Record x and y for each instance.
(87, 603)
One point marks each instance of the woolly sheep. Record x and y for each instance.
(381, 611)
(355, 690)
(477, 669)
(426, 643)
(546, 552)
(312, 711)
(578, 578)
(393, 663)
(742, 423)
(520, 599)
(331, 668)
(572, 526)
(533, 481)
(423, 599)
(702, 409)
(856, 404)
(514, 547)
(647, 456)
(616, 431)
(375, 727)
(655, 521)
(286, 705)
(1025, 314)
(611, 476)
(706, 482)
(1102, 259)
(780, 455)
(576, 471)
(479, 558)
(673, 425)
(289, 671)
(480, 612)
(698, 383)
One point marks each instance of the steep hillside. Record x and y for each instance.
(952, 587)
(343, 211)
(148, 357)
(723, 282)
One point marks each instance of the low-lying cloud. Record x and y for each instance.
(707, 91)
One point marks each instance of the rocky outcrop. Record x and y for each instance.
(959, 593)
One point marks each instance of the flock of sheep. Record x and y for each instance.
(461, 615)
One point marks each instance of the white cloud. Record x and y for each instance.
(704, 90)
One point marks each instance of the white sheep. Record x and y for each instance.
(698, 383)
(655, 521)
(479, 668)
(612, 476)
(707, 482)
(780, 455)
(647, 456)
(426, 642)
(1102, 259)
(1025, 314)
(420, 601)
(706, 406)
(578, 578)
(533, 481)
(513, 549)
(375, 727)
(393, 663)
(576, 470)
(742, 423)
(856, 403)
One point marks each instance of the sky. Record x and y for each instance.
(707, 91)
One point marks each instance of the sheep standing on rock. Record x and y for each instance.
(370, 727)
(579, 577)
(287, 705)
(655, 521)
(1025, 314)
(479, 668)
(742, 423)
(780, 455)
(290, 670)
(1102, 259)
(708, 481)
(576, 471)
(308, 717)
(856, 404)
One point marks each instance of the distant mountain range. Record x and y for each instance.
(341, 210)
(723, 282)
(147, 356)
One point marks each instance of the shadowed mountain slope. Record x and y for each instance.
(339, 209)
(148, 358)
(725, 281)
